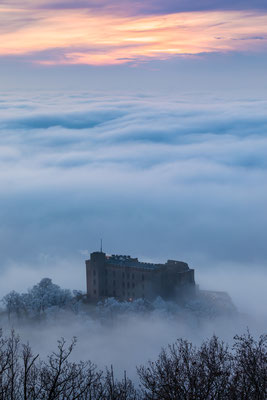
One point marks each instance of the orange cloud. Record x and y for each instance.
(80, 37)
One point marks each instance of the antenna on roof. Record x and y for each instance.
(101, 246)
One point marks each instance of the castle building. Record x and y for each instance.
(126, 278)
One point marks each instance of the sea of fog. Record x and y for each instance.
(157, 177)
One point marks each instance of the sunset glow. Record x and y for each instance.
(82, 37)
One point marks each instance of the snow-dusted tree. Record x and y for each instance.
(42, 297)
(14, 303)
(45, 295)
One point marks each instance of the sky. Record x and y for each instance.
(133, 45)
(143, 123)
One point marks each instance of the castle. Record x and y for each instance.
(126, 278)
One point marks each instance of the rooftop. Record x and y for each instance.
(127, 261)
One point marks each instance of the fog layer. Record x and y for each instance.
(179, 177)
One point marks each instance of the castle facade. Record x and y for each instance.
(126, 278)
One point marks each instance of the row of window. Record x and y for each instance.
(128, 275)
(129, 285)
(129, 295)
(123, 284)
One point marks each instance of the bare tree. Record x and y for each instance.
(30, 374)
(10, 368)
(249, 381)
(181, 372)
(22, 376)
(114, 389)
(62, 379)
(212, 371)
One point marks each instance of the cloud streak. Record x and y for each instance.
(135, 7)
(81, 36)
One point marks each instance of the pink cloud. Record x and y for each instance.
(83, 37)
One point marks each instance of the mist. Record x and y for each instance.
(156, 177)
(131, 339)
(126, 335)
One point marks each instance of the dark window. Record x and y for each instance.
(94, 282)
(132, 276)
(114, 293)
(114, 273)
(128, 275)
(143, 277)
(94, 291)
(123, 274)
(114, 283)
(123, 284)
(143, 286)
(106, 271)
(133, 285)
(94, 272)
(128, 285)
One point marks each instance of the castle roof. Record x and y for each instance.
(127, 261)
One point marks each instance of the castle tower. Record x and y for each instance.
(95, 275)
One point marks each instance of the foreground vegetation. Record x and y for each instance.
(182, 371)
